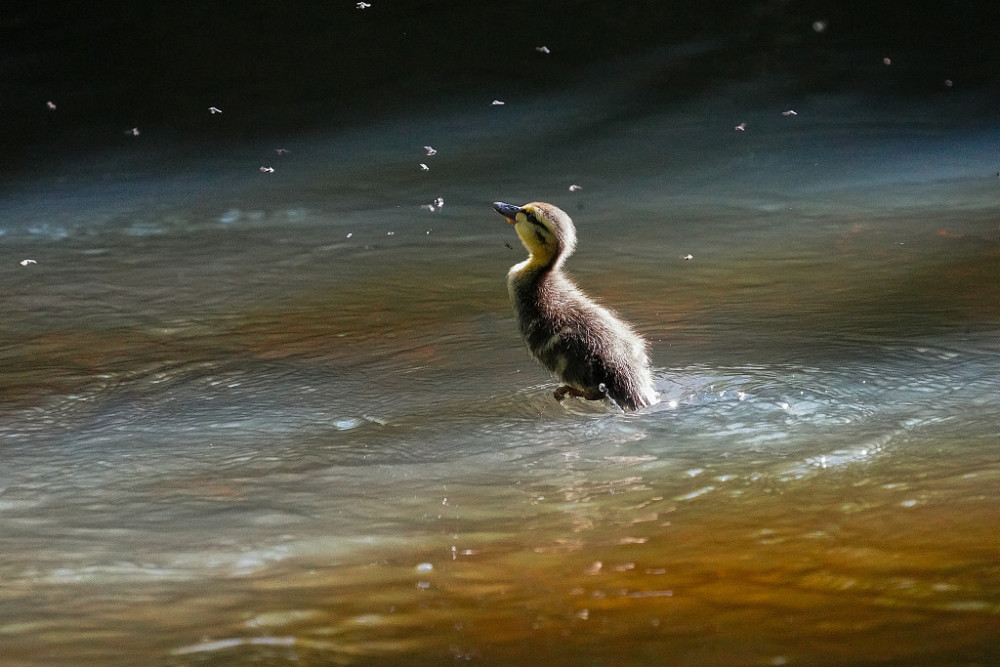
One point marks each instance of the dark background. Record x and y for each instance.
(275, 66)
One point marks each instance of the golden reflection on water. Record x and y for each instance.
(888, 562)
(813, 572)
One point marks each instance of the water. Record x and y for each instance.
(285, 417)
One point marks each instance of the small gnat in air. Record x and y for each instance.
(542, 49)
(741, 127)
(819, 26)
(362, 5)
(435, 205)
(574, 187)
(26, 262)
(424, 167)
(688, 256)
(267, 170)
(214, 110)
(887, 61)
(498, 103)
(134, 132)
(790, 112)
(282, 151)
(51, 105)
(430, 150)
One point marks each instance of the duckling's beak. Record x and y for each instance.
(508, 211)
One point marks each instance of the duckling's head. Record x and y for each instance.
(545, 230)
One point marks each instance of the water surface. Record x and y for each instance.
(274, 417)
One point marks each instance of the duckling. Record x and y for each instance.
(585, 345)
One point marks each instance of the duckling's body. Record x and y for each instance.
(595, 353)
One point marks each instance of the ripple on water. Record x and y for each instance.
(246, 473)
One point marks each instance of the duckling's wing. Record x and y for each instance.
(598, 353)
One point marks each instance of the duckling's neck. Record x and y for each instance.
(534, 282)
(535, 266)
